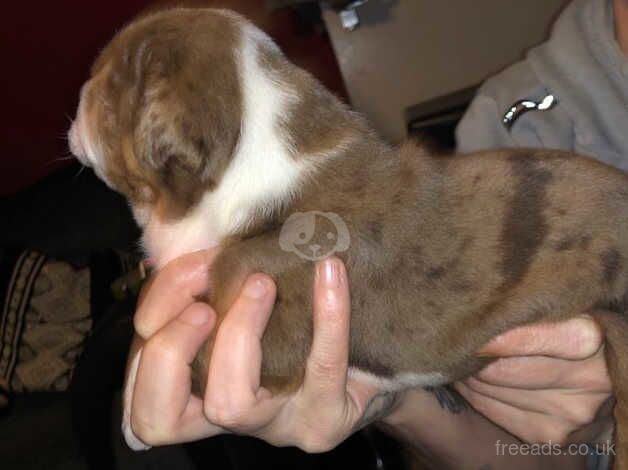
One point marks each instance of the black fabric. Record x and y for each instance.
(97, 378)
(36, 435)
(79, 220)
(18, 275)
(68, 214)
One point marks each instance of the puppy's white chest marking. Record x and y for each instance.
(165, 241)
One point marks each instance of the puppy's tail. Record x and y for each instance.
(615, 328)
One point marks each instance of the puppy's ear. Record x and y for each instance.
(187, 137)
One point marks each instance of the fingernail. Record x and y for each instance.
(195, 316)
(255, 288)
(330, 273)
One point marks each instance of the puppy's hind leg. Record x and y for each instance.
(615, 327)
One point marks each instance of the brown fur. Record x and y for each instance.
(170, 102)
(445, 253)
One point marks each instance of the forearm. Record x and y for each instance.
(463, 441)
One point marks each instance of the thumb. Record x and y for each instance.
(326, 368)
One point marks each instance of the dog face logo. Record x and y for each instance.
(314, 235)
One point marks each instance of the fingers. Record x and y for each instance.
(574, 406)
(322, 413)
(174, 288)
(527, 425)
(574, 339)
(540, 372)
(237, 358)
(550, 384)
(326, 368)
(162, 404)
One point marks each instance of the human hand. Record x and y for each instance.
(549, 383)
(171, 326)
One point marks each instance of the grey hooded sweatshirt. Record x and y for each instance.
(584, 68)
(586, 71)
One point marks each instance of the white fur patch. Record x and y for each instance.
(400, 381)
(82, 145)
(261, 177)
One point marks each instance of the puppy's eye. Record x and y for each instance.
(302, 236)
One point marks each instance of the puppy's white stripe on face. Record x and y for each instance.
(261, 177)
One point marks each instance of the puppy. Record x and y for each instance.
(218, 141)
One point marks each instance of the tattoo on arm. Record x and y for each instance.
(449, 399)
(382, 404)
(378, 407)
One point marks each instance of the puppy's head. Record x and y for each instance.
(199, 120)
(160, 116)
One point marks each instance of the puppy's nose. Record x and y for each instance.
(315, 248)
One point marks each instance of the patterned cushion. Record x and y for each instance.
(44, 321)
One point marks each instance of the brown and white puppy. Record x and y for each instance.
(217, 140)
